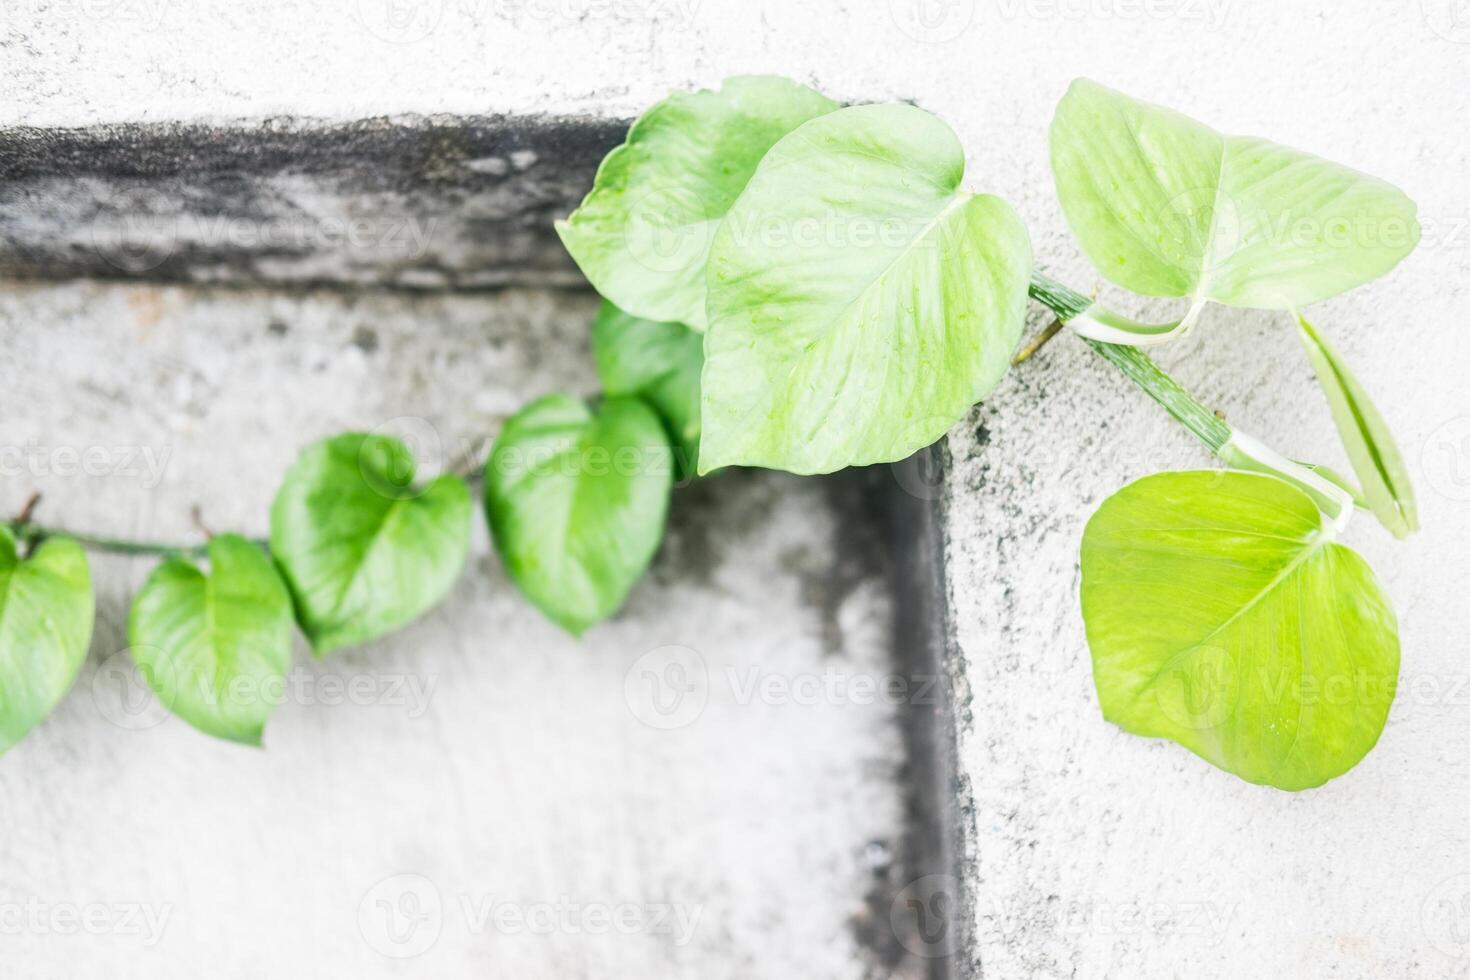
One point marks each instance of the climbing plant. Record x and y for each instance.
(794, 284)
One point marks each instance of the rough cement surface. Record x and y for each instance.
(704, 772)
(1073, 821)
(1096, 854)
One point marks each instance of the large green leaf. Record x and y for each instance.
(46, 608)
(577, 502)
(1166, 206)
(1370, 446)
(363, 550)
(642, 235)
(215, 647)
(860, 303)
(1221, 616)
(659, 361)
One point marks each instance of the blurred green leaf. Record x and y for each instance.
(215, 647)
(659, 361)
(45, 627)
(577, 501)
(363, 550)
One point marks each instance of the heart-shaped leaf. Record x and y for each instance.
(642, 235)
(1221, 616)
(215, 647)
(1166, 206)
(363, 550)
(45, 626)
(577, 502)
(1370, 446)
(659, 361)
(860, 303)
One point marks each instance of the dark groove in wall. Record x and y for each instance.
(907, 503)
(404, 202)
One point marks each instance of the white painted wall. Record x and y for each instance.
(1075, 822)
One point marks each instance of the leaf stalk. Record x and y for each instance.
(1236, 449)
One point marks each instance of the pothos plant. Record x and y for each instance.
(794, 284)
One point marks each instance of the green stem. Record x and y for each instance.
(1203, 424)
(31, 534)
(1138, 367)
(1235, 449)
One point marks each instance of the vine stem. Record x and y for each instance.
(1068, 304)
(1138, 367)
(30, 534)
(1236, 449)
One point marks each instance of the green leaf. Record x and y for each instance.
(860, 303)
(46, 608)
(1221, 616)
(659, 361)
(642, 235)
(1370, 446)
(1166, 206)
(362, 549)
(215, 648)
(576, 502)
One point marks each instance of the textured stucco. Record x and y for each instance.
(1090, 854)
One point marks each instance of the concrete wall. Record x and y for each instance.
(1088, 853)
(720, 767)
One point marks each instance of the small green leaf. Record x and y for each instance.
(1370, 446)
(659, 361)
(215, 647)
(860, 303)
(46, 608)
(1221, 616)
(1166, 206)
(363, 550)
(577, 501)
(642, 235)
